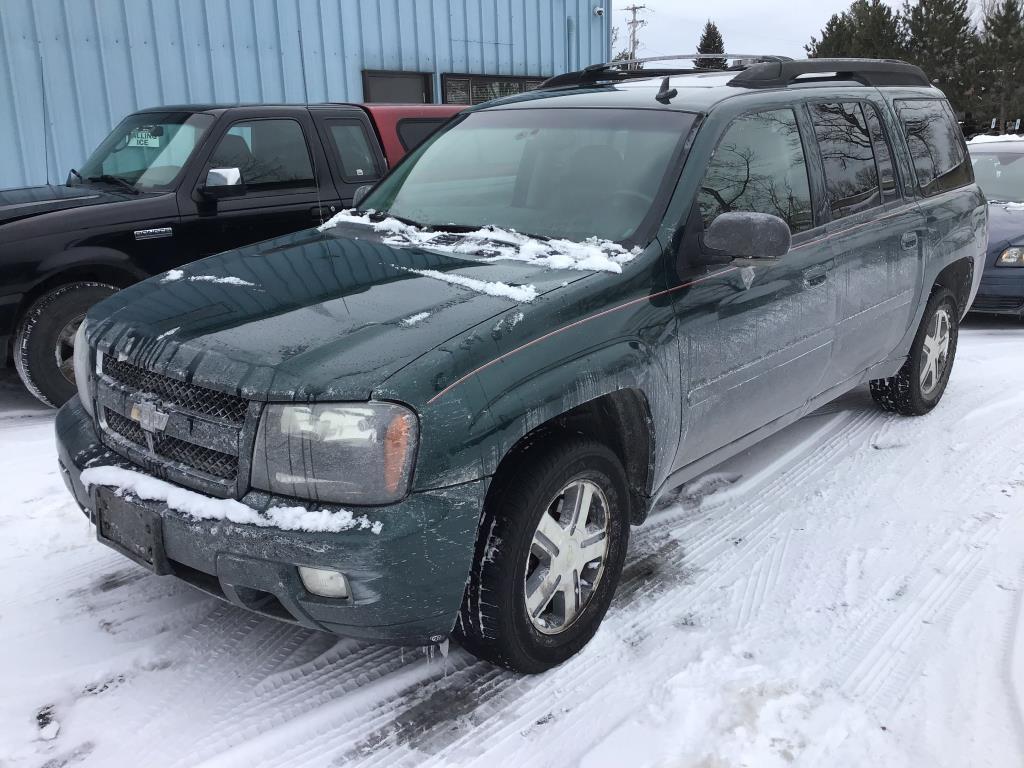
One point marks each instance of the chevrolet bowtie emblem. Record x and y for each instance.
(148, 416)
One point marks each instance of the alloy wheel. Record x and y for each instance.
(935, 351)
(567, 557)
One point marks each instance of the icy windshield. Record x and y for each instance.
(559, 173)
(147, 151)
(999, 173)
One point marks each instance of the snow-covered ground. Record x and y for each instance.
(846, 594)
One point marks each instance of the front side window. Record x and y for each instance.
(936, 145)
(847, 157)
(559, 172)
(271, 154)
(146, 151)
(759, 166)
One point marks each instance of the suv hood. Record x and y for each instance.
(1005, 228)
(34, 201)
(307, 316)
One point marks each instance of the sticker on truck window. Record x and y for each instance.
(147, 136)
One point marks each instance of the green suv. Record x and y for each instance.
(440, 413)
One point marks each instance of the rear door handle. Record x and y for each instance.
(909, 241)
(323, 211)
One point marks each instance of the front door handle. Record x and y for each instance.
(909, 241)
(815, 276)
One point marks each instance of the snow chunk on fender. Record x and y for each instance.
(200, 507)
(522, 293)
(494, 243)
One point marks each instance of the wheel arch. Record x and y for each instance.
(958, 276)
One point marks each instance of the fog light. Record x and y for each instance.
(324, 583)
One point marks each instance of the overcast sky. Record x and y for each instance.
(748, 26)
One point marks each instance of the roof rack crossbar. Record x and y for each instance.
(625, 69)
(875, 72)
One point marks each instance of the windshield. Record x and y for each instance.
(1000, 174)
(146, 151)
(560, 173)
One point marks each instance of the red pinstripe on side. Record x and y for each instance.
(574, 324)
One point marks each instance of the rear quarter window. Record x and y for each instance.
(413, 131)
(936, 145)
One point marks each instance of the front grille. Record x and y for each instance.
(195, 457)
(187, 397)
(997, 303)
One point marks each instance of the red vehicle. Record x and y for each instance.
(170, 185)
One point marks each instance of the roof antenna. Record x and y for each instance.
(665, 94)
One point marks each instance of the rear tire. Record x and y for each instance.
(518, 611)
(922, 380)
(44, 338)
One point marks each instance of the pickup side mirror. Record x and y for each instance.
(223, 182)
(747, 235)
(360, 194)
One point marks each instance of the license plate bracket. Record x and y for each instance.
(132, 529)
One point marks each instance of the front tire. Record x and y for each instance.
(553, 539)
(43, 342)
(922, 380)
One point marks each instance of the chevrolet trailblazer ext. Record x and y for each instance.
(476, 417)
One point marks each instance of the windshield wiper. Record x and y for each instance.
(381, 215)
(123, 183)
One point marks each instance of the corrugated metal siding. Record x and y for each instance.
(70, 69)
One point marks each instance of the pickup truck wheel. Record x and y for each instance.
(44, 340)
(553, 539)
(922, 380)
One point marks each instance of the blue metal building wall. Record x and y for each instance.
(70, 69)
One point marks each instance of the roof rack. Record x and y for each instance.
(629, 68)
(876, 72)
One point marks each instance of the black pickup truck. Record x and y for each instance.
(170, 185)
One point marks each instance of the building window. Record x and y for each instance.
(476, 89)
(398, 87)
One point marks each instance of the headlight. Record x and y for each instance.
(1011, 257)
(350, 453)
(84, 380)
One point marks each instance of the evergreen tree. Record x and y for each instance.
(941, 39)
(868, 29)
(1002, 53)
(711, 42)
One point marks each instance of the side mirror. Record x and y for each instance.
(360, 194)
(747, 235)
(223, 182)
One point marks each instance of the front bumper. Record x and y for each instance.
(1001, 292)
(406, 583)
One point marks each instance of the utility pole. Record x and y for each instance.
(634, 25)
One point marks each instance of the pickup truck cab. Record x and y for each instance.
(146, 201)
(442, 412)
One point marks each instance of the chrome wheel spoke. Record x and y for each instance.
(592, 548)
(550, 536)
(545, 585)
(935, 350)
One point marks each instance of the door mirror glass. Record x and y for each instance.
(224, 182)
(360, 194)
(747, 235)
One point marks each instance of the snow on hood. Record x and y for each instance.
(986, 139)
(200, 507)
(494, 243)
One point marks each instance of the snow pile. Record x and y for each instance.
(410, 321)
(523, 293)
(200, 507)
(177, 274)
(986, 139)
(230, 280)
(593, 254)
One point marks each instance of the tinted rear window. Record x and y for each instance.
(851, 177)
(936, 145)
(414, 131)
